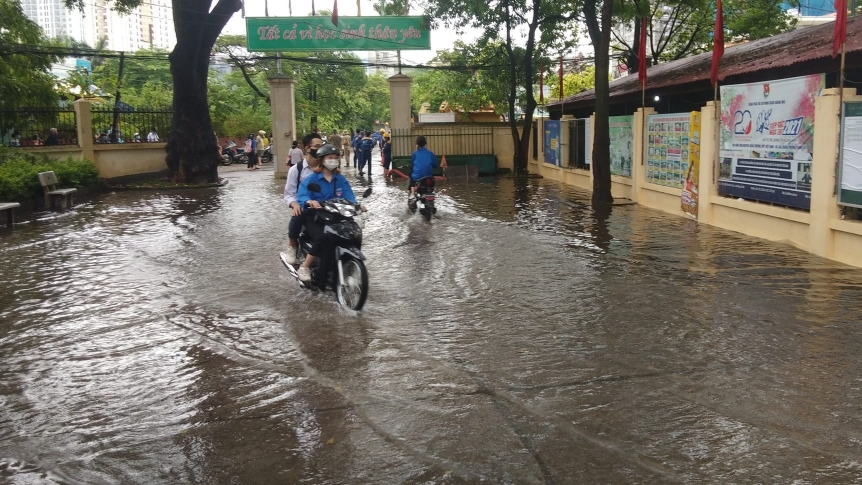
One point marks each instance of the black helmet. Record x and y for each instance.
(327, 149)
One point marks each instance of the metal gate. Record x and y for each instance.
(575, 134)
(445, 139)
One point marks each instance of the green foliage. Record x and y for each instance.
(19, 171)
(574, 82)
(25, 78)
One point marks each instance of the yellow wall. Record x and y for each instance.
(115, 160)
(819, 230)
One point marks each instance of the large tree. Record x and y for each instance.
(598, 17)
(191, 155)
(525, 30)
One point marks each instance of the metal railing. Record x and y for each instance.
(445, 139)
(31, 126)
(133, 126)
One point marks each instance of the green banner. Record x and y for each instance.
(352, 34)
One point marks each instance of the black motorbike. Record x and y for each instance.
(424, 198)
(343, 270)
(229, 155)
(267, 155)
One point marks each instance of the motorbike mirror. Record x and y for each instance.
(366, 193)
(314, 187)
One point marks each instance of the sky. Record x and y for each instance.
(440, 39)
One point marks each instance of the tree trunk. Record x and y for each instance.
(601, 160)
(192, 152)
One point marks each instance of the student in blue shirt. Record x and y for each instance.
(333, 185)
(424, 161)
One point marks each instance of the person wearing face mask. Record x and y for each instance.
(333, 185)
(311, 143)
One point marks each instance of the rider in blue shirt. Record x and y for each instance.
(333, 185)
(424, 161)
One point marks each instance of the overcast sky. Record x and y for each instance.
(440, 39)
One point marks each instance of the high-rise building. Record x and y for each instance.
(146, 27)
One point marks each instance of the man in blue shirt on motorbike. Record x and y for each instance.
(424, 162)
(332, 185)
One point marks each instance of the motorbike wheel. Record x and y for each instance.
(226, 160)
(355, 290)
(242, 159)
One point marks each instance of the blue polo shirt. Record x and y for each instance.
(423, 161)
(339, 188)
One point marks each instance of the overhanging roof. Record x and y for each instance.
(795, 53)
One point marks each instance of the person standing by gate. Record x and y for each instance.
(357, 153)
(366, 144)
(386, 155)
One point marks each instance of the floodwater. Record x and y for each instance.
(154, 337)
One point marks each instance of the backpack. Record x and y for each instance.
(248, 148)
(299, 174)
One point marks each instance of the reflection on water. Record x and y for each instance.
(520, 337)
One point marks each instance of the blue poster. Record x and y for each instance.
(552, 142)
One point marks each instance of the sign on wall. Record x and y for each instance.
(690, 197)
(767, 139)
(553, 151)
(622, 136)
(351, 34)
(850, 172)
(668, 139)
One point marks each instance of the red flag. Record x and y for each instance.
(561, 77)
(642, 54)
(335, 14)
(542, 83)
(840, 26)
(717, 43)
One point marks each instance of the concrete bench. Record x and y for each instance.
(54, 197)
(10, 214)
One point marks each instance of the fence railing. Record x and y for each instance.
(133, 126)
(31, 126)
(445, 139)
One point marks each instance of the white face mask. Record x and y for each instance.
(330, 164)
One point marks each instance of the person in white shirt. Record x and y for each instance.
(295, 155)
(297, 173)
(152, 135)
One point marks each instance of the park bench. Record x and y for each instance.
(10, 214)
(54, 197)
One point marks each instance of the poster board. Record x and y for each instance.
(690, 189)
(668, 138)
(850, 156)
(767, 139)
(622, 138)
(553, 152)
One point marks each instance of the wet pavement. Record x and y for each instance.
(520, 337)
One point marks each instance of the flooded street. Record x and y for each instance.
(154, 337)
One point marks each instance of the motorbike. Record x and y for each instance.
(267, 155)
(424, 198)
(343, 270)
(229, 155)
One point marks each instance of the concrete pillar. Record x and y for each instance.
(824, 203)
(707, 185)
(84, 120)
(281, 89)
(399, 101)
(639, 158)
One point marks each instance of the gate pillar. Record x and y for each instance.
(283, 130)
(399, 101)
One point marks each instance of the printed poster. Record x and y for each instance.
(622, 135)
(850, 175)
(668, 138)
(692, 173)
(553, 151)
(767, 139)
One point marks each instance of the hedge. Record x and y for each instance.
(19, 179)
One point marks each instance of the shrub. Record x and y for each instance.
(19, 179)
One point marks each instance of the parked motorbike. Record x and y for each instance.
(424, 198)
(342, 270)
(229, 155)
(267, 155)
